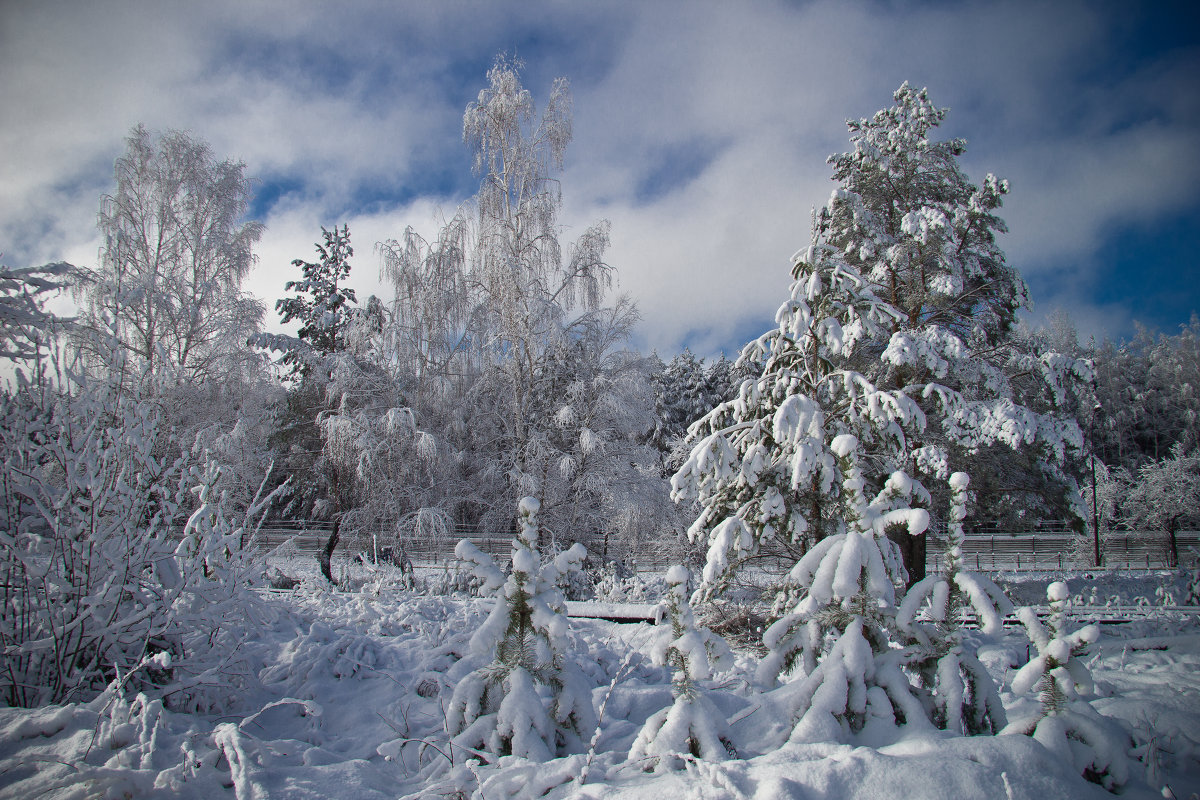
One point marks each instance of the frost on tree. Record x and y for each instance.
(518, 691)
(840, 635)
(24, 323)
(175, 252)
(502, 346)
(691, 725)
(1064, 721)
(959, 693)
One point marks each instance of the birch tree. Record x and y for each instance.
(175, 251)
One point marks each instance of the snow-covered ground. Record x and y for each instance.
(351, 693)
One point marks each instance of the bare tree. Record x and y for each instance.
(173, 259)
(498, 370)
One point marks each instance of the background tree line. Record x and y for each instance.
(500, 365)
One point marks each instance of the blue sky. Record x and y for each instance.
(701, 132)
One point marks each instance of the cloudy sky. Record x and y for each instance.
(701, 131)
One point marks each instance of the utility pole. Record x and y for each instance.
(1095, 507)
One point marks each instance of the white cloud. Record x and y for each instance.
(368, 103)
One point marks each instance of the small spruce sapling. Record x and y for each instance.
(1192, 577)
(1064, 722)
(962, 696)
(519, 694)
(692, 724)
(842, 630)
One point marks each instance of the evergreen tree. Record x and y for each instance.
(960, 694)
(908, 219)
(497, 703)
(691, 725)
(762, 468)
(1064, 721)
(321, 307)
(842, 631)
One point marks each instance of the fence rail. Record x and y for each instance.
(1016, 551)
(983, 552)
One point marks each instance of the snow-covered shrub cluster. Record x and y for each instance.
(94, 578)
(516, 690)
(616, 582)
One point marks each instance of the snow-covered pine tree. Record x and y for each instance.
(692, 724)
(762, 468)
(961, 694)
(1065, 722)
(321, 305)
(841, 632)
(923, 236)
(518, 691)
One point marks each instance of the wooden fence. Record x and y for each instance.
(1041, 551)
(983, 552)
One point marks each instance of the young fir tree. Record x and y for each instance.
(692, 724)
(321, 307)
(843, 630)
(1065, 722)
(961, 695)
(519, 693)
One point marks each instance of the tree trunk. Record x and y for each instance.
(912, 548)
(326, 555)
(1172, 543)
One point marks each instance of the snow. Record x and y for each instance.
(347, 706)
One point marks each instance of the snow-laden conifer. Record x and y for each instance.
(519, 692)
(841, 633)
(1065, 722)
(962, 695)
(692, 724)
(762, 467)
(910, 221)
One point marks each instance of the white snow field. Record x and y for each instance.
(352, 689)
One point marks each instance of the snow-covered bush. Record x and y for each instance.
(93, 578)
(518, 692)
(962, 695)
(1064, 721)
(87, 505)
(617, 582)
(841, 632)
(692, 724)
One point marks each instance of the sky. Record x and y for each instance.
(702, 130)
